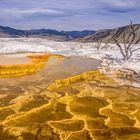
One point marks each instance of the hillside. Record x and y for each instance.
(76, 36)
(7, 32)
(106, 35)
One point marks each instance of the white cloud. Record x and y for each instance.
(32, 11)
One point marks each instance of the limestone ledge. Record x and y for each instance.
(15, 70)
(95, 75)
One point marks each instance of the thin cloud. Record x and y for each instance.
(120, 3)
(32, 11)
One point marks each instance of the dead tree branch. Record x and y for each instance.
(129, 38)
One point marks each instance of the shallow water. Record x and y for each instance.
(84, 110)
(56, 68)
(7, 59)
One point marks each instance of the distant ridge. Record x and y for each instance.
(6, 32)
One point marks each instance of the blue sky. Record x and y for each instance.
(68, 14)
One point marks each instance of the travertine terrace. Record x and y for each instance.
(64, 101)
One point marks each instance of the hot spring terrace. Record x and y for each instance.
(46, 96)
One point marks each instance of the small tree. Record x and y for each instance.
(129, 40)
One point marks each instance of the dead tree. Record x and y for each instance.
(99, 44)
(127, 49)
